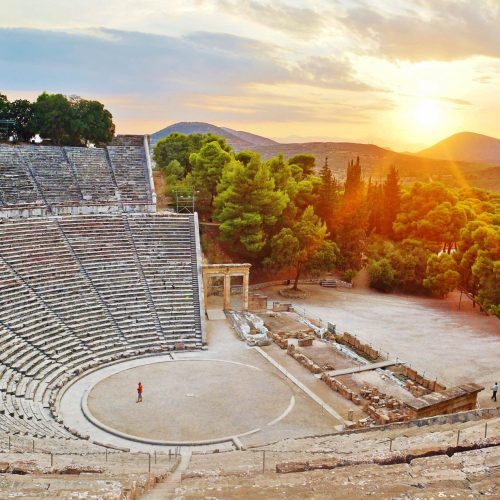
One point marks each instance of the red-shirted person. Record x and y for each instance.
(139, 393)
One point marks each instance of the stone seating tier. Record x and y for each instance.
(79, 291)
(35, 180)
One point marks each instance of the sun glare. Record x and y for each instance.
(427, 113)
(423, 120)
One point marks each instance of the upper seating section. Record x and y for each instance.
(128, 163)
(71, 180)
(17, 187)
(52, 174)
(93, 173)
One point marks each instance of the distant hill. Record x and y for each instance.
(237, 139)
(375, 161)
(466, 146)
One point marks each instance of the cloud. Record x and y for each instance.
(277, 15)
(112, 61)
(327, 72)
(429, 30)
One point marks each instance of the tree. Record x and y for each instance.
(416, 204)
(54, 119)
(304, 246)
(487, 272)
(176, 147)
(207, 167)
(4, 104)
(95, 122)
(248, 205)
(409, 260)
(245, 156)
(350, 221)
(442, 224)
(382, 275)
(305, 162)
(375, 204)
(478, 259)
(328, 196)
(442, 276)
(391, 202)
(353, 188)
(21, 111)
(72, 121)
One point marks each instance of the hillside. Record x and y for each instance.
(466, 146)
(375, 160)
(237, 139)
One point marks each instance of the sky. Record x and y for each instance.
(401, 74)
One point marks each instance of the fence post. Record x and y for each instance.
(485, 429)
(33, 446)
(149, 462)
(9, 441)
(155, 457)
(106, 454)
(169, 454)
(263, 461)
(390, 443)
(51, 459)
(458, 436)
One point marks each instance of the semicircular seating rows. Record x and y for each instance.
(77, 291)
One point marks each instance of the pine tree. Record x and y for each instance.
(375, 206)
(328, 196)
(248, 205)
(391, 202)
(353, 188)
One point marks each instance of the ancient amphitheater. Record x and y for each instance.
(100, 291)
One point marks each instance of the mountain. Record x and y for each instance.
(237, 139)
(466, 146)
(375, 161)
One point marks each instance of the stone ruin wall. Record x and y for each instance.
(432, 397)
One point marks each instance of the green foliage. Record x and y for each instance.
(95, 123)
(391, 202)
(246, 155)
(248, 205)
(353, 188)
(442, 276)
(207, 166)
(349, 274)
(328, 196)
(54, 118)
(174, 176)
(382, 275)
(176, 147)
(73, 121)
(478, 259)
(303, 247)
(21, 111)
(350, 220)
(442, 224)
(407, 258)
(305, 162)
(419, 203)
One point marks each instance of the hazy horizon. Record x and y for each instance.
(400, 74)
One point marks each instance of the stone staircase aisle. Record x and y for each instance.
(166, 489)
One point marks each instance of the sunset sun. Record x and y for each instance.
(427, 113)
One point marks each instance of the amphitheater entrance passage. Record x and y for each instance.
(226, 272)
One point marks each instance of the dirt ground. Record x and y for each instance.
(432, 335)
